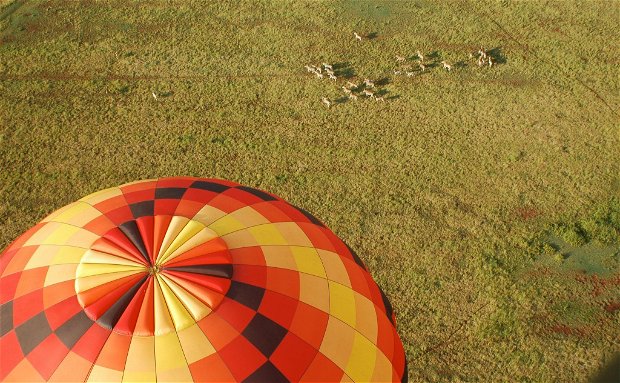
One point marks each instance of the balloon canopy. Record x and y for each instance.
(189, 279)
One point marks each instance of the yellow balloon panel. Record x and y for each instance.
(195, 344)
(190, 229)
(102, 195)
(308, 261)
(362, 359)
(200, 238)
(139, 368)
(342, 303)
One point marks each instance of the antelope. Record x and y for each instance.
(422, 67)
(379, 98)
(351, 84)
(397, 72)
(327, 66)
(332, 77)
(319, 75)
(369, 83)
(329, 72)
(357, 37)
(326, 101)
(353, 97)
(346, 90)
(309, 68)
(368, 93)
(491, 62)
(400, 59)
(482, 53)
(480, 61)
(420, 55)
(446, 66)
(154, 95)
(410, 74)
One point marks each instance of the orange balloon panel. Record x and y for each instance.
(188, 279)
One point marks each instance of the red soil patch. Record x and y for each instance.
(527, 212)
(567, 330)
(599, 284)
(612, 307)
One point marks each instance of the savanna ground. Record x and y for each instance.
(485, 201)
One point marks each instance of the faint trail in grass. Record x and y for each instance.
(82, 77)
(526, 48)
(449, 339)
(518, 83)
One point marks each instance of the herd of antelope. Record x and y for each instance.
(351, 90)
(483, 58)
(367, 89)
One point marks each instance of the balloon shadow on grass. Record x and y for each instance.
(610, 372)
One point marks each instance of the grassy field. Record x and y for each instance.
(485, 201)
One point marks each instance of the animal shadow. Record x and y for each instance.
(372, 35)
(347, 72)
(423, 73)
(344, 69)
(434, 55)
(382, 92)
(341, 65)
(383, 81)
(497, 55)
(460, 64)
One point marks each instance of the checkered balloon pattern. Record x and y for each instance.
(189, 279)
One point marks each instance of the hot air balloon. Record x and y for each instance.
(189, 279)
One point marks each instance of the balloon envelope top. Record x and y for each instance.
(190, 279)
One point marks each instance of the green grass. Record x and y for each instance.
(452, 191)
